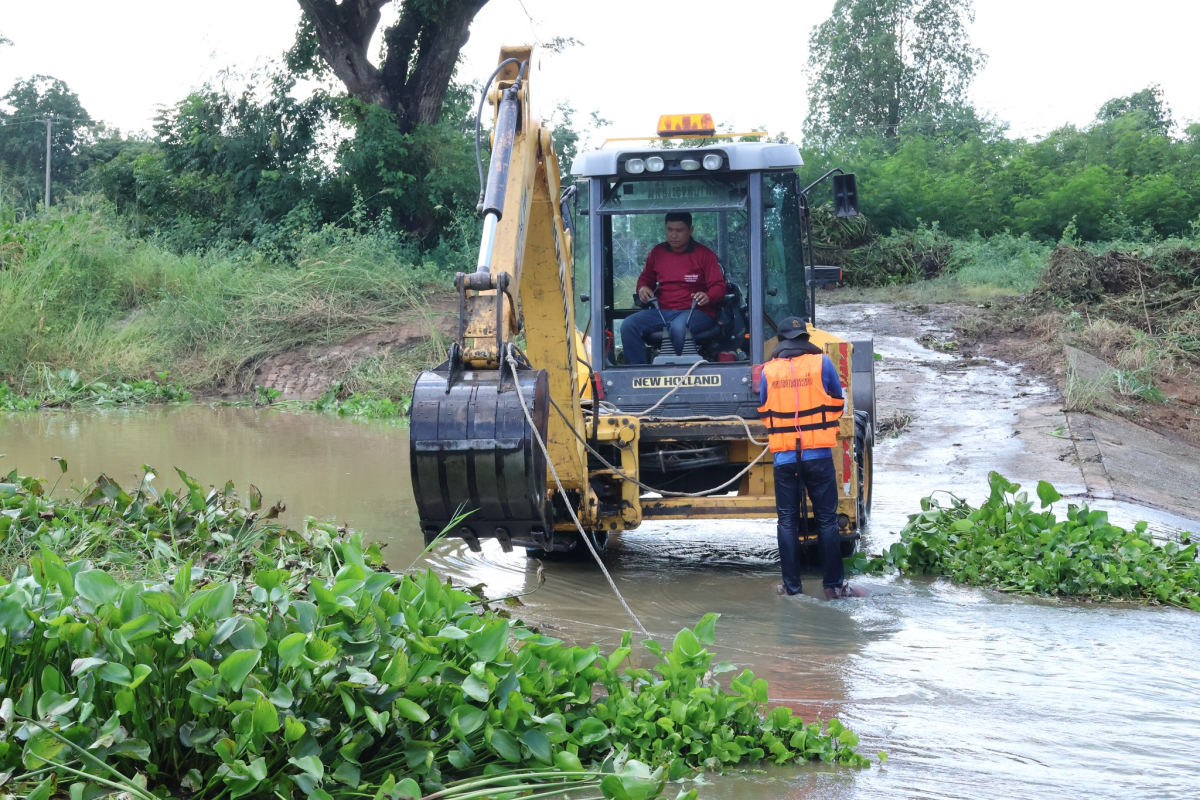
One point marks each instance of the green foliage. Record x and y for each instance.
(300, 669)
(1149, 102)
(1006, 544)
(84, 295)
(224, 167)
(683, 717)
(356, 405)
(142, 534)
(868, 259)
(23, 139)
(1122, 177)
(64, 389)
(876, 65)
(11, 401)
(1009, 262)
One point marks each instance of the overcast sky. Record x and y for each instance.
(1050, 61)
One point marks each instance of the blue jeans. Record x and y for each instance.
(635, 327)
(820, 479)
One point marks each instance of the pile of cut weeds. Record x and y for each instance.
(1136, 310)
(1156, 290)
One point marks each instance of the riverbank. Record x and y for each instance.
(97, 317)
(80, 294)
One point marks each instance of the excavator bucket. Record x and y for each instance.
(473, 452)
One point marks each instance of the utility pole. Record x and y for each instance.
(49, 124)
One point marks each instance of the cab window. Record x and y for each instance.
(783, 263)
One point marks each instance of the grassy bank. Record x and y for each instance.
(80, 294)
(182, 644)
(95, 316)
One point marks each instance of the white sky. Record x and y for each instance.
(1050, 61)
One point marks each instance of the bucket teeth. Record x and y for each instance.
(473, 453)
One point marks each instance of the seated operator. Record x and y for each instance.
(680, 271)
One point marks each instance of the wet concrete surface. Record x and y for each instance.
(972, 692)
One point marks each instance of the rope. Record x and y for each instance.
(663, 399)
(512, 365)
(665, 492)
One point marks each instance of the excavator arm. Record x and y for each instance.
(478, 469)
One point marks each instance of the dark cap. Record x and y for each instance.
(792, 328)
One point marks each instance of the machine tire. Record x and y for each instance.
(864, 446)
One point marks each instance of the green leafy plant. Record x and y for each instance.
(294, 665)
(11, 401)
(264, 396)
(65, 389)
(356, 405)
(138, 534)
(1004, 543)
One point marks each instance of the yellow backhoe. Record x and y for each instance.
(537, 378)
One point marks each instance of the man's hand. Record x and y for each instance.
(645, 294)
(701, 299)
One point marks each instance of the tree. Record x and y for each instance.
(1149, 103)
(567, 135)
(23, 136)
(876, 64)
(420, 51)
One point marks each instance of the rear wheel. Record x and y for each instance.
(849, 546)
(864, 445)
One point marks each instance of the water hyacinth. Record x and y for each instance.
(1006, 544)
(311, 671)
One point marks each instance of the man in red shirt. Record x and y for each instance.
(680, 271)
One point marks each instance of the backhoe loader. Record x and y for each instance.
(535, 431)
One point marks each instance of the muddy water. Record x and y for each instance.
(973, 693)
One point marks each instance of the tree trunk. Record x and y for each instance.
(421, 50)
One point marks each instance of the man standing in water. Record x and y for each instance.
(802, 402)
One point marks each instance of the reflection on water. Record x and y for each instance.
(321, 466)
(973, 693)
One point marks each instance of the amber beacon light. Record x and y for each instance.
(691, 124)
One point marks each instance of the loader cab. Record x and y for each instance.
(745, 203)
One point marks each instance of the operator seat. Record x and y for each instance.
(713, 339)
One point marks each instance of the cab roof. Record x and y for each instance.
(743, 156)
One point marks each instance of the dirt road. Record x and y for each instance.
(972, 415)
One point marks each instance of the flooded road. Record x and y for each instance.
(973, 693)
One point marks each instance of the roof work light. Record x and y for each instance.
(696, 124)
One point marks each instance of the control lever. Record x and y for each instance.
(679, 333)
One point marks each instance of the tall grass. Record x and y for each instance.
(1004, 261)
(79, 293)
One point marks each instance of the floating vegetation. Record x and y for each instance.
(940, 345)
(357, 405)
(892, 426)
(66, 389)
(188, 645)
(1004, 543)
(336, 400)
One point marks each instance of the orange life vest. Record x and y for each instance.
(799, 413)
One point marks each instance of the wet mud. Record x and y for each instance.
(972, 692)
